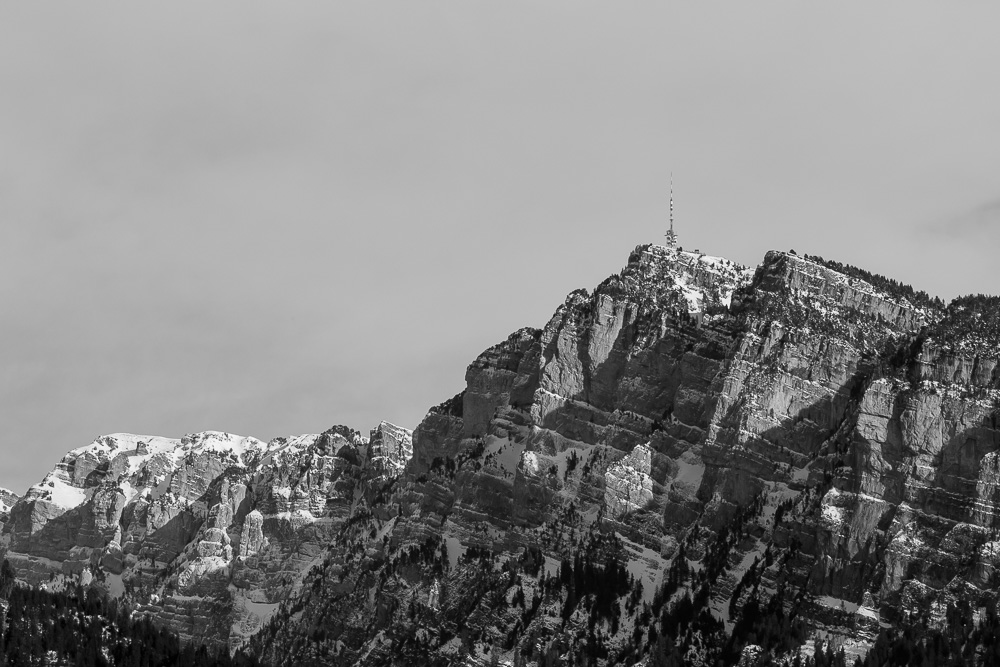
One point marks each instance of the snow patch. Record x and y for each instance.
(504, 454)
(298, 517)
(455, 551)
(801, 474)
(831, 513)
(60, 493)
(115, 585)
(837, 603)
(552, 566)
(690, 471)
(645, 564)
(529, 461)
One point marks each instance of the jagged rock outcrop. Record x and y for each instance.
(207, 534)
(7, 500)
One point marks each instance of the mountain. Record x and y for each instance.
(696, 462)
(207, 534)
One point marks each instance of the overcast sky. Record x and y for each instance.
(270, 218)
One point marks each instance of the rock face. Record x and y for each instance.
(791, 433)
(7, 500)
(207, 534)
(801, 440)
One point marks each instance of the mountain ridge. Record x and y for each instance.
(791, 438)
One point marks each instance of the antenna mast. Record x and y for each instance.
(671, 236)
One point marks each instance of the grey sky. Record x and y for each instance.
(269, 218)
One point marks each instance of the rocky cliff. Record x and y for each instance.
(792, 438)
(7, 500)
(686, 456)
(208, 533)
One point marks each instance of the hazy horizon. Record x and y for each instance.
(268, 219)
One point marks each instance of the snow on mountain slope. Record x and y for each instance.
(7, 500)
(207, 533)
